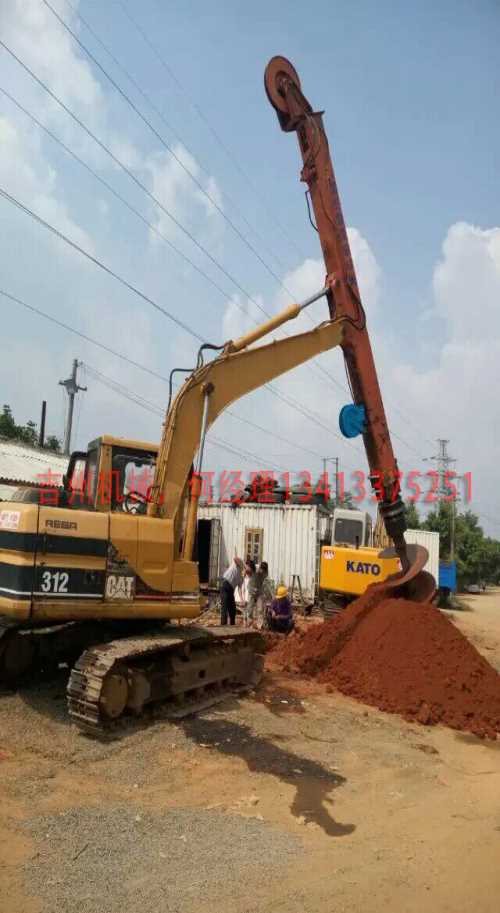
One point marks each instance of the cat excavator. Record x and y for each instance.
(96, 578)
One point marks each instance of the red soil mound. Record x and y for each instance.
(403, 657)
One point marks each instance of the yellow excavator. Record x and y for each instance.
(96, 578)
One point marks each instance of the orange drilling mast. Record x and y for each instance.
(366, 415)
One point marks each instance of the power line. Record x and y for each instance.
(133, 177)
(140, 216)
(307, 413)
(211, 128)
(125, 358)
(155, 200)
(130, 395)
(149, 101)
(137, 111)
(278, 437)
(166, 146)
(129, 101)
(119, 197)
(99, 263)
(130, 287)
(145, 189)
(202, 116)
(140, 400)
(81, 335)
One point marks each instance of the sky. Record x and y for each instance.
(204, 214)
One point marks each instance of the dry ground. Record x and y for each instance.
(292, 800)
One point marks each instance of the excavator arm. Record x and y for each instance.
(211, 388)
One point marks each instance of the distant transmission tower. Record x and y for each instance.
(443, 461)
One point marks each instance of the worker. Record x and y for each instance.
(232, 578)
(252, 587)
(266, 594)
(258, 594)
(280, 614)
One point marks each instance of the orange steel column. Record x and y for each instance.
(296, 114)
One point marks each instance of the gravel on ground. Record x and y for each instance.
(110, 859)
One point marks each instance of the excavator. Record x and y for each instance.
(97, 578)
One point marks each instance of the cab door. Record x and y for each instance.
(70, 561)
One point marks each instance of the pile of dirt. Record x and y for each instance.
(403, 657)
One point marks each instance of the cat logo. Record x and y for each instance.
(118, 586)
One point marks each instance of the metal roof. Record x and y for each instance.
(24, 465)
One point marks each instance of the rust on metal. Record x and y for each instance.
(295, 113)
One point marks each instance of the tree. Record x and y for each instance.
(412, 515)
(27, 433)
(439, 521)
(53, 443)
(7, 423)
(477, 556)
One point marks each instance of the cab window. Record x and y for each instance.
(91, 476)
(348, 531)
(132, 478)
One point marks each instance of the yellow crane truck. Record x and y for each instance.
(350, 563)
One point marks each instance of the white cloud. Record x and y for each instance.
(241, 315)
(466, 282)
(302, 282)
(457, 395)
(367, 269)
(453, 398)
(27, 175)
(36, 36)
(307, 384)
(172, 185)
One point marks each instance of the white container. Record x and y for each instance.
(288, 536)
(430, 541)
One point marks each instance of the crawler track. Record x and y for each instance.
(185, 670)
(27, 650)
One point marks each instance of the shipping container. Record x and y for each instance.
(287, 536)
(430, 541)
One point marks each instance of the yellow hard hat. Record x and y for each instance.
(281, 591)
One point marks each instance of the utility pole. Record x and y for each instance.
(41, 437)
(443, 460)
(336, 461)
(72, 389)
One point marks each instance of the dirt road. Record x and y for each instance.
(293, 800)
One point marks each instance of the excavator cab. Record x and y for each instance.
(114, 474)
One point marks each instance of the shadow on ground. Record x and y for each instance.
(312, 781)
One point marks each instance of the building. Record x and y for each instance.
(287, 536)
(22, 466)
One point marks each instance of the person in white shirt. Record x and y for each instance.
(232, 578)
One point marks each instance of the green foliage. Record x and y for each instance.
(412, 515)
(477, 555)
(27, 434)
(53, 443)
(7, 423)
